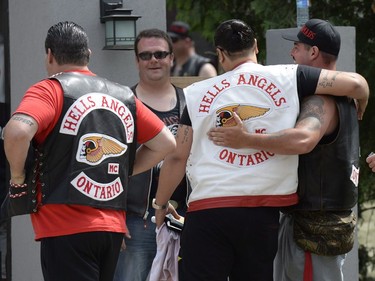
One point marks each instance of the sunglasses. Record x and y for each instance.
(159, 55)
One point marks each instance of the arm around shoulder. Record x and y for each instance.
(348, 84)
(316, 117)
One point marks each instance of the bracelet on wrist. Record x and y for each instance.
(17, 185)
(159, 207)
(17, 190)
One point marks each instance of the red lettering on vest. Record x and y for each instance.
(211, 95)
(122, 111)
(263, 84)
(74, 115)
(244, 160)
(260, 131)
(95, 190)
(113, 168)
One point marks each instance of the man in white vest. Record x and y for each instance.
(233, 217)
(316, 234)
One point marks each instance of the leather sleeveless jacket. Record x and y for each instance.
(192, 66)
(87, 158)
(328, 175)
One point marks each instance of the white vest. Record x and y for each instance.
(266, 99)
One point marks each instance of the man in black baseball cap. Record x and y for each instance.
(328, 123)
(320, 33)
(179, 30)
(186, 61)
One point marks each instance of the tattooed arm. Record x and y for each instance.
(173, 169)
(318, 117)
(348, 84)
(18, 134)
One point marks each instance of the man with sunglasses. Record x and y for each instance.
(186, 61)
(154, 58)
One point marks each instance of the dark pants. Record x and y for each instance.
(90, 256)
(239, 243)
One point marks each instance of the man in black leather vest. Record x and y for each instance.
(328, 174)
(186, 61)
(83, 130)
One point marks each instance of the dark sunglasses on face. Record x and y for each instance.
(157, 55)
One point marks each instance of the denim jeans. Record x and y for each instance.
(135, 261)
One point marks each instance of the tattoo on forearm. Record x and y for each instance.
(312, 107)
(185, 134)
(23, 120)
(328, 82)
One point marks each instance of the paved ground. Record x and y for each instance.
(366, 234)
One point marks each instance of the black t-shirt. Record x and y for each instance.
(307, 80)
(171, 120)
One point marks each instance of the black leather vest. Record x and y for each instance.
(87, 158)
(327, 174)
(192, 66)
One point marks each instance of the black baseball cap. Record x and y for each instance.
(320, 33)
(179, 29)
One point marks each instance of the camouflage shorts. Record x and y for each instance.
(324, 233)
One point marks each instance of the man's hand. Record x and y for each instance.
(361, 107)
(371, 161)
(160, 215)
(127, 235)
(229, 136)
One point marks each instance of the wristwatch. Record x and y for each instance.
(158, 207)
